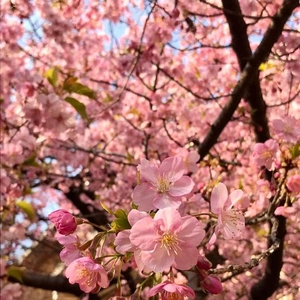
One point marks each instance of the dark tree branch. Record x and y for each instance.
(248, 74)
(57, 283)
(98, 217)
(241, 47)
(249, 87)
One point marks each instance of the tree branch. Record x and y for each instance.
(57, 283)
(248, 74)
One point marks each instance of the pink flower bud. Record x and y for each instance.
(175, 13)
(203, 263)
(64, 222)
(212, 284)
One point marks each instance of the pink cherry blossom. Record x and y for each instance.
(231, 223)
(89, 275)
(170, 290)
(164, 185)
(64, 221)
(168, 240)
(190, 159)
(71, 248)
(11, 291)
(285, 211)
(288, 129)
(293, 184)
(265, 154)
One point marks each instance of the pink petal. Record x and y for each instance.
(156, 289)
(171, 219)
(173, 166)
(136, 215)
(218, 198)
(193, 157)
(149, 171)
(191, 231)
(104, 281)
(182, 186)
(144, 234)
(212, 239)
(158, 260)
(232, 224)
(165, 200)
(143, 196)
(235, 197)
(186, 259)
(122, 242)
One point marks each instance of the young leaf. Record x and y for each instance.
(80, 107)
(16, 273)
(31, 161)
(72, 86)
(52, 76)
(121, 221)
(27, 208)
(295, 151)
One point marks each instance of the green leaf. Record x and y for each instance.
(295, 151)
(121, 221)
(52, 76)
(106, 208)
(80, 107)
(27, 208)
(16, 273)
(72, 86)
(31, 161)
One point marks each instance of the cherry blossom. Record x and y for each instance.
(265, 154)
(190, 159)
(285, 211)
(170, 290)
(71, 250)
(231, 223)
(168, 240)
(11, 291)
(288, 129)
(89, 275)
(163, 185)
(293, 184)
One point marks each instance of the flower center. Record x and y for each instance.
(162, 184)
(84, 274)
(267, 154)
(170, 242)
(172, 296)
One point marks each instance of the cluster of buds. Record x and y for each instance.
(209, 283)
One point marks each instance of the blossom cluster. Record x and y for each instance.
(156, 235)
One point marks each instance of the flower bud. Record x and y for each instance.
(203, 263)
(212, 284)
(64, 222)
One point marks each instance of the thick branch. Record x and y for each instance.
(242, 49)
(57, 283)
(98, 217)
(248, 74)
